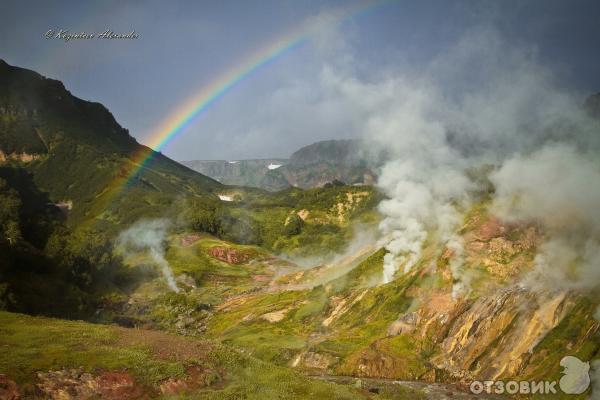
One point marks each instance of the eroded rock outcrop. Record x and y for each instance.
(228, 255)
(22, 157)
(314, 361)
(76, 384)
(494, 336)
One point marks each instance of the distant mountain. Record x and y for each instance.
(261, 173)
(309, 167)
(327, 161)
(332, 151)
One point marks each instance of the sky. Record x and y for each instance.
(183, 46)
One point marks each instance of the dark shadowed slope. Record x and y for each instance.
(78, 153)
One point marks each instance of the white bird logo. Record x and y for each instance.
(576, 377)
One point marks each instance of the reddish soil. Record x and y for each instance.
(490, 229)
(119, 385)
(197, 377)
(230, 256)
(77, 384)
(115, 385)
(190, 239)
(165, 346)
(262, 278)
(8, 388)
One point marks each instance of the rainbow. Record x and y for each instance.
(188, 111)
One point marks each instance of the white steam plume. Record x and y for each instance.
(462, 277)
(149, 236)
(558, 187)
(480, 102)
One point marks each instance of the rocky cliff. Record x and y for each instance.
(309, 167)
(265, 174)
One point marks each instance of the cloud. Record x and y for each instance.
(558, 187)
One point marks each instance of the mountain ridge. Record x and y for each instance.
(310, 166)
(57, 136)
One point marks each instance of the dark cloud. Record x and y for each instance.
(185, 45)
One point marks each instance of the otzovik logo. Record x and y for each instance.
(575, 380)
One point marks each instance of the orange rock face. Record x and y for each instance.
(76, 384)
(119, 385)
(230, 256)
(188, 240)
(492, 228)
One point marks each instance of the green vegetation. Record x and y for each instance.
(65, 344)
(303, 312)
(293, 221)
(570, 337)
(64, 203)
(69, 344)
(39, 260)
(66, 160)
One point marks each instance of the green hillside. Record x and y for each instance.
(76, 151)
(93, 361)
(63, 165)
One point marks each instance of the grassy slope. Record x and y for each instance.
(42, 344)
(83, 154)
(363, 324)
(330, 217)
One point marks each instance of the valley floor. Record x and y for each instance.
(50, 358)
